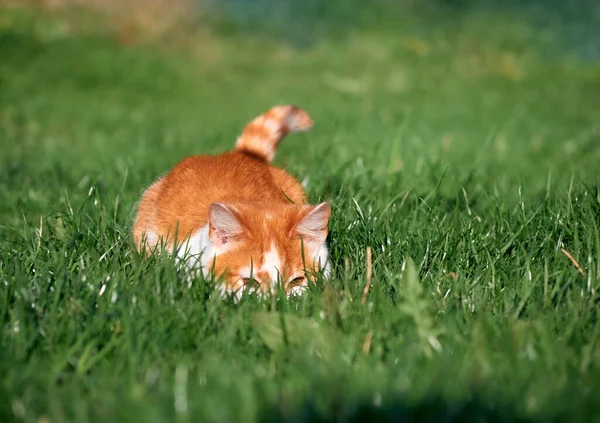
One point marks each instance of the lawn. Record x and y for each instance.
(462, 153)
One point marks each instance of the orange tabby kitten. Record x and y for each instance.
(237, 215)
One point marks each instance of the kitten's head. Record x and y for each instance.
(259, 246)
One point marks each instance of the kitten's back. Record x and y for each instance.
(180, 200)
(189, 189)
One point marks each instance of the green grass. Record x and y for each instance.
(466, 160)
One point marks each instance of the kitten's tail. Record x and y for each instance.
(261, 137)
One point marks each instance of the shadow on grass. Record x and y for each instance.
(430, 410)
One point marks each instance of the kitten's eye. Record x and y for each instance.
(297, 281)
(249, 281)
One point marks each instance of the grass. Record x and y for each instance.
(463, 156)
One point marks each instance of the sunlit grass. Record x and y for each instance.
(465, 161)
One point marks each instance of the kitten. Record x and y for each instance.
(237, 215)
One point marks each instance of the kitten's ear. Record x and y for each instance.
(223, 224)
(313, 225)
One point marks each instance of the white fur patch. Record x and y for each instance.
(322, 258)
(198, 250)
(272, 125)
(151, 238)
(246, 272)
(272, 265)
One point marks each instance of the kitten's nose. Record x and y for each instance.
(265, 281)
(263, 276)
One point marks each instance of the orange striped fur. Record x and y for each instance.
(237, 215)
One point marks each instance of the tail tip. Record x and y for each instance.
(299, 120)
